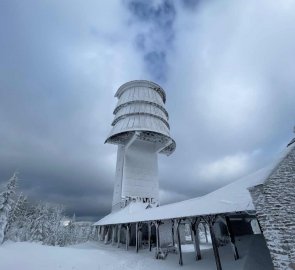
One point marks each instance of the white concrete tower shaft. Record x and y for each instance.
(141, 131)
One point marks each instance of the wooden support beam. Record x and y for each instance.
(215, 248)
(159, 236)
(113, 234)
(232, 238)
(105, 229)
(136, 237)
(149, 235)
(102, 233)
(172, 232)
(179, 242)
(139, 235)
(99, 233)
(96, 233)
(127, 235)
(157, 224)
(106, 237)
(205, 231)
(210, 220)
(119, 235)
(195, 235)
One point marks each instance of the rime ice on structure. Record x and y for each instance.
(141, 131)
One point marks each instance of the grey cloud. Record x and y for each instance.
(191, 4)
(155, 37)
(229, 83)
(232, 88)
(54, 115)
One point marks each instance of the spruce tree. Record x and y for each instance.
(6, 205)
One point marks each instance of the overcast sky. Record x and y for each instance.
(227, 68)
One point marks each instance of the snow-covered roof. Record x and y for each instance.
(143, 83)
(234, 197)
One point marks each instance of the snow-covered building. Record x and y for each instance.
(141, 131)
(274, 202)
(265, 200)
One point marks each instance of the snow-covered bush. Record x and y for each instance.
(39, 222)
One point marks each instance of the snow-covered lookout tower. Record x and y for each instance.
(141, 131)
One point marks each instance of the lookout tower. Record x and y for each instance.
(141, 131)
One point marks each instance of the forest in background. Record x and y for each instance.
(22, 220)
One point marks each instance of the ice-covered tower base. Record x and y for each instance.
(141, 131)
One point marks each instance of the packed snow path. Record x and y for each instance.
(97, 256)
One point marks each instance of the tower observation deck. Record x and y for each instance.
(141, 130)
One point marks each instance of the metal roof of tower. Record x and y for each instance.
(141, 108)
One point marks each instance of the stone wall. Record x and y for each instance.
(275, 207)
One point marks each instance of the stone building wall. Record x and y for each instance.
(275, 206)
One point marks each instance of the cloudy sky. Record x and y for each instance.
(227, 68)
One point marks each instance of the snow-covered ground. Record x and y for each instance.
(96, 256)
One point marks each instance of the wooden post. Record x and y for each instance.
(139, 235)
(195, 234)
(127, 235)
(96, 232)
(136, 236)
(150, 234)
(157, 238)
(172, 233)
(205, 231)
(106, 237)
(232, 238)
(179, 242)
(113, 234)
(215, 248)
(102, 233)
(105, 233)
(210, 221)
(119, 235)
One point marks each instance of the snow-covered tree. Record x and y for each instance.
(37, 225)
(18, 221)
(6, 205)
(71, 231)
(54, 219)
